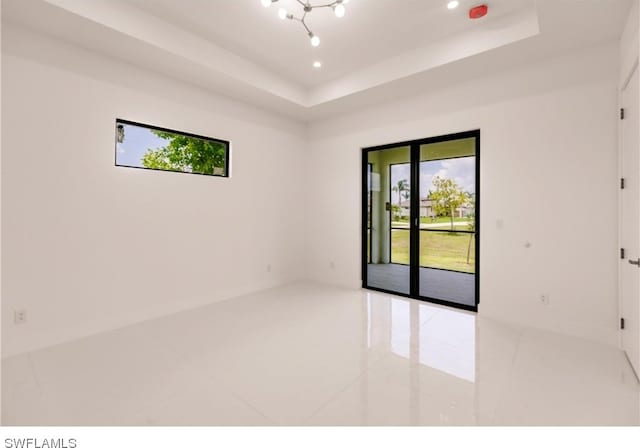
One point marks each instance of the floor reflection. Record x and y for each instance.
(442, 339)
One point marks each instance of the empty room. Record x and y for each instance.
(339, 213)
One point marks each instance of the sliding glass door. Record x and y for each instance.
(448, 220)
(388, 194)
(420, 219)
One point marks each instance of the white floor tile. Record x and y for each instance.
(315, 355)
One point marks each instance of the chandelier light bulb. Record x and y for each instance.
(453, 4)
(317, 64)
(337, 6)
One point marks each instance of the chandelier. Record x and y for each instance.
(307, 7)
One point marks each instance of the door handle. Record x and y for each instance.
(635, 262)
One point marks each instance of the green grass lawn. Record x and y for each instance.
(437, 250)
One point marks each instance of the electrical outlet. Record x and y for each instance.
(268, 268)
(19, 317)
(332, 265)
(544, 298)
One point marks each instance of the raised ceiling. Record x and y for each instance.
(243, 50)
(370, 32)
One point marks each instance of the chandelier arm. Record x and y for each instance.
(304, 24)
(302, 3)
(302, 19)
(326, 5)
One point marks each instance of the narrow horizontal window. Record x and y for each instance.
(154, 148)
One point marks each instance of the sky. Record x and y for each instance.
(137, 140)
(462, 170)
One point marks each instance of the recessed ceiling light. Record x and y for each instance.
(317, 64)
(453, 4)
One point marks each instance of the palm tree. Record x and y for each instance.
(401, 187)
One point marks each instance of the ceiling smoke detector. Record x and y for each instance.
(478, 12)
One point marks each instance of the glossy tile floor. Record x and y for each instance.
(314, 355)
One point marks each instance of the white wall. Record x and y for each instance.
(88, 246)
(629, 45)
(548, 173)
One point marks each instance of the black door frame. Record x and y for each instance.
(414, 226)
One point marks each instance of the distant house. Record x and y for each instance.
(426, 209)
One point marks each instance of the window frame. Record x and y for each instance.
(226, 143)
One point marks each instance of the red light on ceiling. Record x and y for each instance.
(477, 12)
